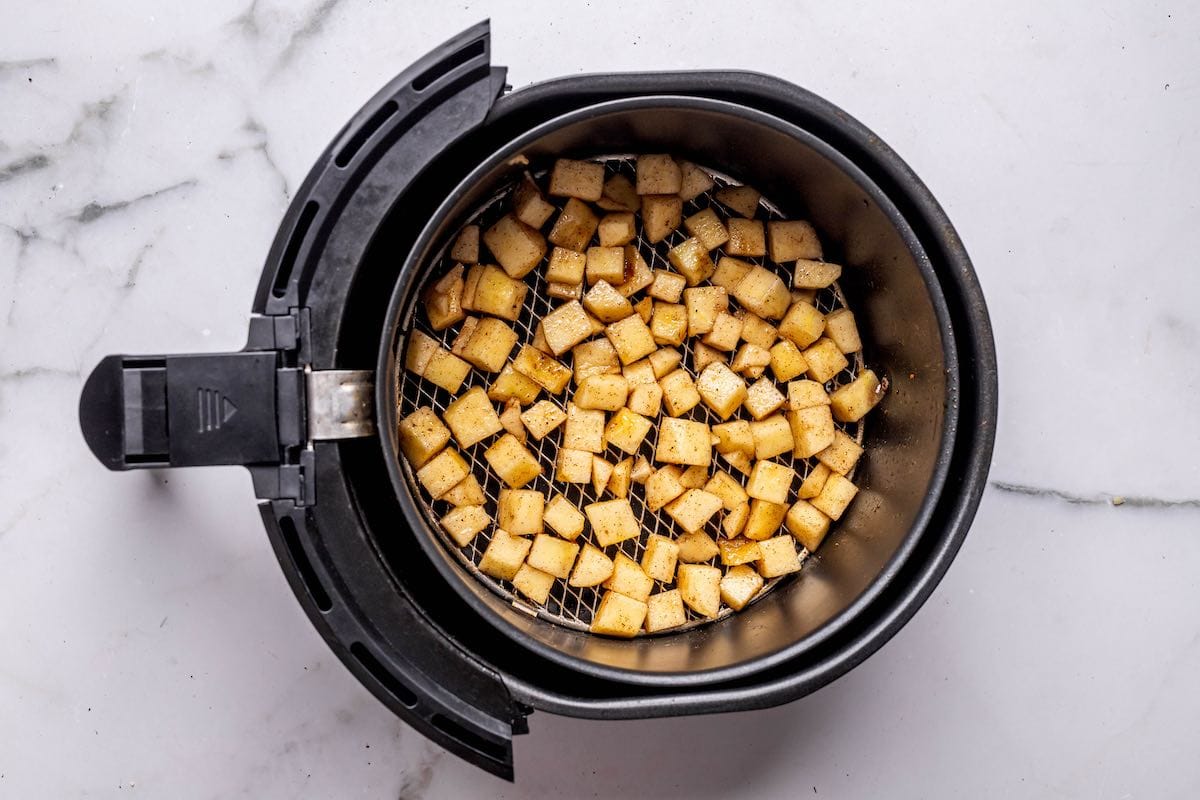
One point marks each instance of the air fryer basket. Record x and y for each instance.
(902, 317)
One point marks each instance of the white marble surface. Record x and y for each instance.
(149, 645)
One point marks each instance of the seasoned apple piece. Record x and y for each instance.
(512, 385)
(841, 329)
(664, 361)
(466, 492)
(616, 229)
(806, 522)
(693, 477)
(518, 247)
(443, 300)
(756, 330)
(842, 455)
(574, 466)
(565, 327)
(539, 339)
(645, 399)
(529, 206)
(619, 615)
(696, 548)
(662, 487)
(742, 200)
(595, 357)
(422, 436)
(638, 274)
(612, 521)
(626, 430)
(693, 509)
(707, 228)
(466, 247)
(619, 194)
(584, 429)
(810, 487)
(641, 470)
(721, 390)
(446, 370)
(802, 325)
(805, 394)
(735, 520)
(629, 578)
(621, 478)
(725, 333)
(724, 486)
(763, 292)
(563, 291)
(736, 437)
(472, 417)
(504, 555)
(778, 557)
(729, 272)
(750, 360)
(815, 274)
(639, 373)
(835, 495)
(661, 214)
(851, 402)
(664, 611)
(566, 266)
(542, 369)
(669, 323)
(694, 181)
(631, 339)
(606, 264)
(533, 583)
(660, 558)
(812, 430)
(772, 436)
(418, 352)
(575, 226)
(463, 523)
(762, 398)
(746, 238)
(442, 472)
(787, 361)
(563, 518)
(703, 304)
(667, 286)
(582, 179)
(679, 393)
(658, 174)
(770, 481)
(552, 555)
(740, 585)
(691, 259)
(543, 417)
(592, 569)
(804, 296)
(519, 511)
(490, 343)
(824, 360)
(739, 461)
(764, 520)
(703, 355)
(792, 239)
(601, 471)
(700, 587)
(602, 392)
(510, 460)
(644, 309)
(738, 550)
(464, 332)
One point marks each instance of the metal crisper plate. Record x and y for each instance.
(567, 605)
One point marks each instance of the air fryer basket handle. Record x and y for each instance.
(189, 410)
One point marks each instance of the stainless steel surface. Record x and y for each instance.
(567, 605)
(340, 404)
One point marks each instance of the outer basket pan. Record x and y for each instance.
(905, 326)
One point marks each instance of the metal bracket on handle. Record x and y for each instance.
(340, 403)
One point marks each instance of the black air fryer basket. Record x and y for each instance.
(310, 405)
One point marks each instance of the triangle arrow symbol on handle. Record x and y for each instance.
(228, 409)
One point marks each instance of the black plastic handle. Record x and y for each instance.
(142, 412)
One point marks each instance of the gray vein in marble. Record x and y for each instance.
(93, 112)
(1134, 501)
(23, 166)
(248, 20)
(312, 25)
(135, 268)
(94, 211)
(415, 782)
(28, 63)
(262, 147)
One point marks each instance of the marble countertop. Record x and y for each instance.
(150, 645)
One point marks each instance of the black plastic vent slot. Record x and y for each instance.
(469, 738)
(366, 131)
(288, 263)
(447, 65)
(291, 540)
(385, 678)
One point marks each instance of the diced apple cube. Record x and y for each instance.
(792, 239)
(724, 486)
(679, 392)
(721, 390)
(631, 339)
(641, 470)
(543, 417)
(746, 238)
(787, 361)
(584, 429)
(851, 402)
(805, 394)
(645, 399)
(466, 492)
(616, 229)
(741, 199)
(662, 487)
(667, 286)
(621, 478)
(778, 557)
(764, 519)
(825, 360)
(750, 360)
(806, 522)
(472, 417)
(446, 370)
(575, 226)
(533, 583)
(703, 355)
(519, 511)
(842, 455)
(552, 555)
(693, 509)
(612, 521)
(595, 357)
(835, 495)
(696, 548)
(442, 472)
(690, 258)
(756, 330)
(664, 361)
(841, 329)
(658, 174)
(422, 436)
(738, 550)
(563, 291)
(762, 398)
(529, 206)
(504, 555)
(660, 557)
(815, 274)
(810, 487)
(463, 523)
(739, 461)
(592, 569)
(770, 481)
(661, 214)
(564, 518)
(466, 247)
(565, 327)
(700, 587)
(467, 328)
(619, 615)
(490, 343)
(664, 611)
(669, 325)
(418, 352)
(601, 471)
(602, 392)
(582, 179)
(812, 430)
(574, 466)
(695, 181)
(518, 247)
(626, 430)
(510, 419)
(512, 461)
(763, 292)
(740, 585)
(542, 369)
(802, 325)
(512, 385)
(703, 304)
(629, 579)
(619, 194)
(639, 373)
(566, 266)
(638, 274)
(606, 264)
(729, 273)
(443, 300)
(707, 228)
(735, 437)
(693, 477)
(772, 436)
(725, 333)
